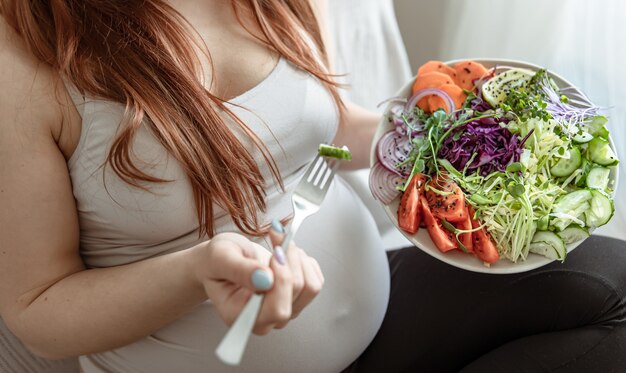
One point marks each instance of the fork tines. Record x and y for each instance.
(321, 172)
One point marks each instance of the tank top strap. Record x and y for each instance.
(77, 97)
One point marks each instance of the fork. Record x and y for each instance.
(306, 200)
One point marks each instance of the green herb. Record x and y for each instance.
(480, 199)
(529, 100)
(514, 167)
(446, 224)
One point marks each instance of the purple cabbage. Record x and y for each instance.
(478, 104)
(485, 143)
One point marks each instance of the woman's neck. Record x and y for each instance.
(203, 12)
(238, 59)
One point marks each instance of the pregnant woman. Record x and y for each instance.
(146, 147)
(146, 150)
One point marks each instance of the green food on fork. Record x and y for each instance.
(342, 153)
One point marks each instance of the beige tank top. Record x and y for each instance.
(292, 113)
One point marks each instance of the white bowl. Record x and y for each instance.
(457, 258)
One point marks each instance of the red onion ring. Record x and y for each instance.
(427, 92)
(478, 82)
(395, 112)
(394, 148)
(383, 183)
(397, 109)
(397, 99)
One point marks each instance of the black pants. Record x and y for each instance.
(563, 317)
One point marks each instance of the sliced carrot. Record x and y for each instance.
(432, 79)
(454, 91)
(436, 66)
(467, 72)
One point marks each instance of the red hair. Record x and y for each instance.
(140, 53)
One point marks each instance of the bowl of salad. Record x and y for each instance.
(494, 166)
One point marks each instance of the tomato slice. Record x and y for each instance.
(409, 214)
(442, 238)
(449, 203)
(466, 238)
(482, 243)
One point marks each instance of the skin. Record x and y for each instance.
(42, 277)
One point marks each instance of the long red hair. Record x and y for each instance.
(140, 53)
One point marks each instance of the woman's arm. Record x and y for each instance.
(47, 297)
(356, 131)
(358, 125)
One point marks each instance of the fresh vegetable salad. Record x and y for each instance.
(497, 163)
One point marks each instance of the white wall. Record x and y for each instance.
(420, 24)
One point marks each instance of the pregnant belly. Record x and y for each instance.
(326, 337)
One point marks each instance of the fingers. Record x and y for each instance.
(307, 284)
(234, 260)
(290, 281)
(277, 305)
(277, 233)
(293, 258)
(298, 280)
(314, 281)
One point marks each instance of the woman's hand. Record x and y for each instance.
(307, 277)
(231, 268)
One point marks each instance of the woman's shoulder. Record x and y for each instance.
(31, 92)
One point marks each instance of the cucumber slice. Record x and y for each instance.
(572, 234)
(600, 152)
(571, 201)
(597, 127)
(600, 211)
(570, 208)
(598, 178)
(548, 244)
(581, 179)
(544, 249)
(335, 152)
(543, 222)
(562, 220)
(582, 137)
(565, 166)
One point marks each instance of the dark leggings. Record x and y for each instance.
(563, 317)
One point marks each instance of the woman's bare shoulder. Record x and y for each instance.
(29, 88)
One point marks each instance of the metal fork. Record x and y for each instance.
(306, 200)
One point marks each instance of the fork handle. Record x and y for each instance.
(292, 228)
(288, 237)
(231, 348)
